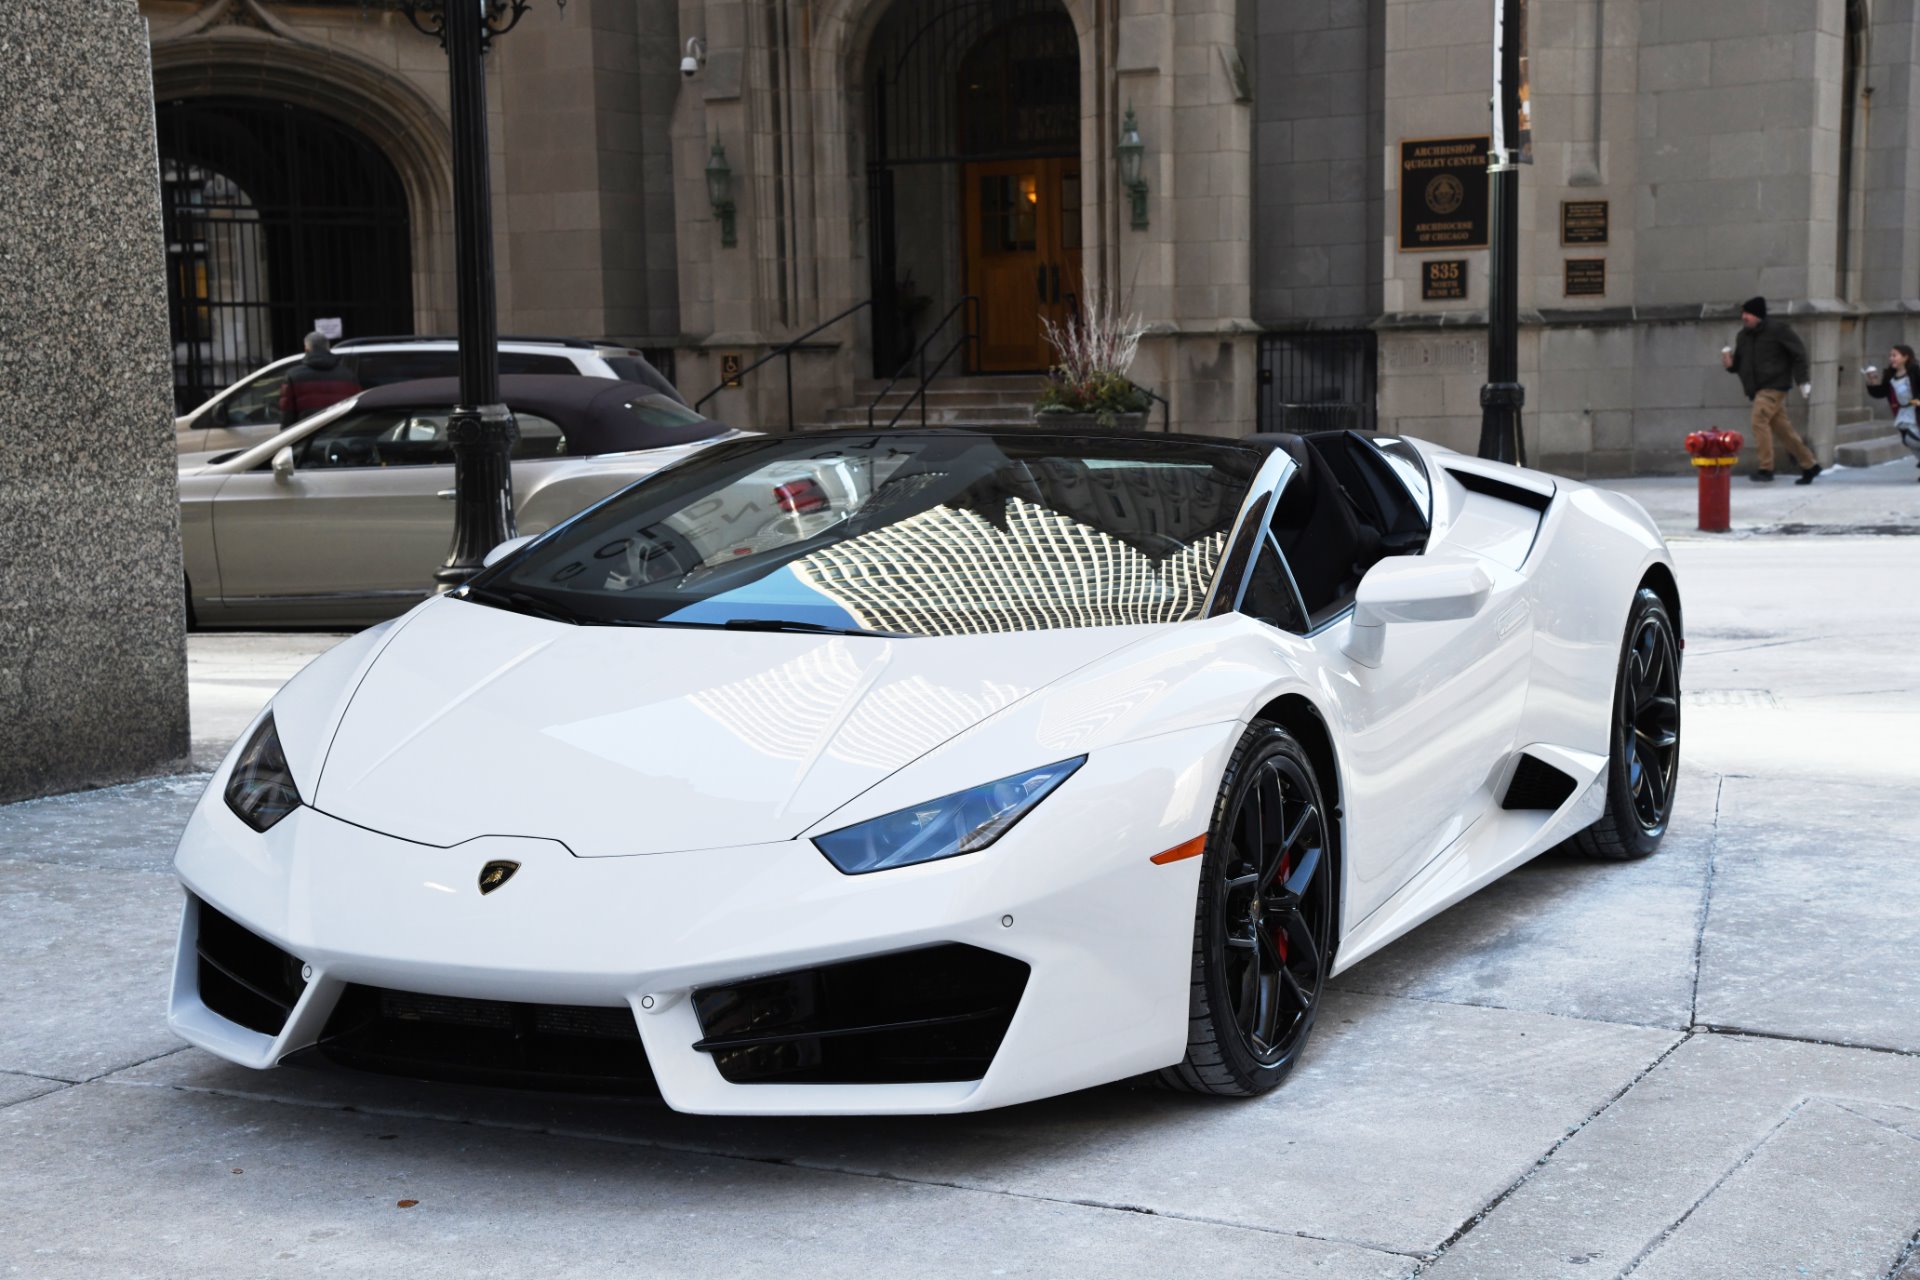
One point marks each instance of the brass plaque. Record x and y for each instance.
(1443, 280)
(1443, 194)
(730, 369)
(1584, 222)
(1586, 277)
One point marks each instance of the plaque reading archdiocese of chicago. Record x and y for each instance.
(1443, 194)
(1583, 222)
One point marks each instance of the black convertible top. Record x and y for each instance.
(598, 415)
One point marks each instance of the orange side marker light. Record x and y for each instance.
(1191, 849)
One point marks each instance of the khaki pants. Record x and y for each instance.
(1770, 418)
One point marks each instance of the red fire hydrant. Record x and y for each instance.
(1713, 453)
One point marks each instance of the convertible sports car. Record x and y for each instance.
(933, 770)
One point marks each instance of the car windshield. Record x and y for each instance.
(936, 533)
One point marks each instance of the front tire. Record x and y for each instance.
(1263, 933)
(1644, 764)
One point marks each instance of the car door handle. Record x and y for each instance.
(446, 493)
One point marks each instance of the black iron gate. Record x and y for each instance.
(276, 217)
(1319, 381)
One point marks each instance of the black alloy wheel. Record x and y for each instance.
(1264, 926)
(1644, 767)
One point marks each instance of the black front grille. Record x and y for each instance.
(1537, 785)
(243, 977)
(938, 1013)
(578, 1048)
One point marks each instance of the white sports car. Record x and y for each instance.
(933, 770)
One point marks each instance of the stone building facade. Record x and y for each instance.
(891, 159)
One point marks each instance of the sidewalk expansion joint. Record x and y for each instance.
(1488, 1209)
(1745, 1158)
(1706, 900)
(1751, 1033)
(786, 1162)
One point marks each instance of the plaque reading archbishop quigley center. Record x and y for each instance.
(1443, 194)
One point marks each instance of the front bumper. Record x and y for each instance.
(1070, 892)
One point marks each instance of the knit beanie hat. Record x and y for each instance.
(1755, 306)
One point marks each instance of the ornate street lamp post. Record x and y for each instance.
(481, 429)
(1503, 396)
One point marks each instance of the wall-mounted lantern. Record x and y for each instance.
(720, 192)
(1130, 151)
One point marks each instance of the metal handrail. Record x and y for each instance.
(1166, 407)
(970, 334)
(786, 350)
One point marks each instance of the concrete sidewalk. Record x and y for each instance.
(1704, 1066)
(1882, 500)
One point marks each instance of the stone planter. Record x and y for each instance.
(1080, 421)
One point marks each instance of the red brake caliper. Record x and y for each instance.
(1280, 934)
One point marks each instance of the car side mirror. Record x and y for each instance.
(283, 464)
(1412, 589)
(506, 549)
(217, 416)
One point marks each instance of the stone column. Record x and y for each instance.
(1189, 272)
(92, 646)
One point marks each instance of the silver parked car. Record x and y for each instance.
(343, 518)
(249, 411)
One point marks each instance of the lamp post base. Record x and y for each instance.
(1500, 405)
(483, 437)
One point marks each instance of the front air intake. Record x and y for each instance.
(1537, 785)
(575, 1048)
(243, 977)
(935, 1014)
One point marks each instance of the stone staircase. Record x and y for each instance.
(981, 399)
(1867, 442)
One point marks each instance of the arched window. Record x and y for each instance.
(276, 216)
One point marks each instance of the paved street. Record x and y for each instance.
(1704, 1065)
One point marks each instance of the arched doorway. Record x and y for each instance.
(276, 216)
(973, 174)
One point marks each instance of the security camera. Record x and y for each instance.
(695, 57)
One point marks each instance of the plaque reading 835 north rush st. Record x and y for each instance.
(1586, 277)
(1443, 280)
(1443, 194)
(1583, 222)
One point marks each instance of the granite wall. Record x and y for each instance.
(92, 645)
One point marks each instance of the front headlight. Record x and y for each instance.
(963, 822)
(261, 790)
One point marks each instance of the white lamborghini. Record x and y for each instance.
(933, 770)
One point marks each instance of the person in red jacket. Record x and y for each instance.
(316, 382)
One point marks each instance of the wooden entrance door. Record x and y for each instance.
(1022, 220)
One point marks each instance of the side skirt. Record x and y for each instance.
(1496, 843)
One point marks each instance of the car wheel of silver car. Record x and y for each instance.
(1644, 764)
(1263, 929)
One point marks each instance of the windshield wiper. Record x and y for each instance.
(816, 628)
(521, 602)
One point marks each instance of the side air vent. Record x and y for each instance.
(1537, 785)
(243, 977)
(938, 1013)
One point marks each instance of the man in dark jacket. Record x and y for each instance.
(1770, 359)
(316, 382)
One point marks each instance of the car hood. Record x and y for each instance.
(475, 721)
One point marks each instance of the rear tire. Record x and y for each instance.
(1643, 765)
(1263, 934)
